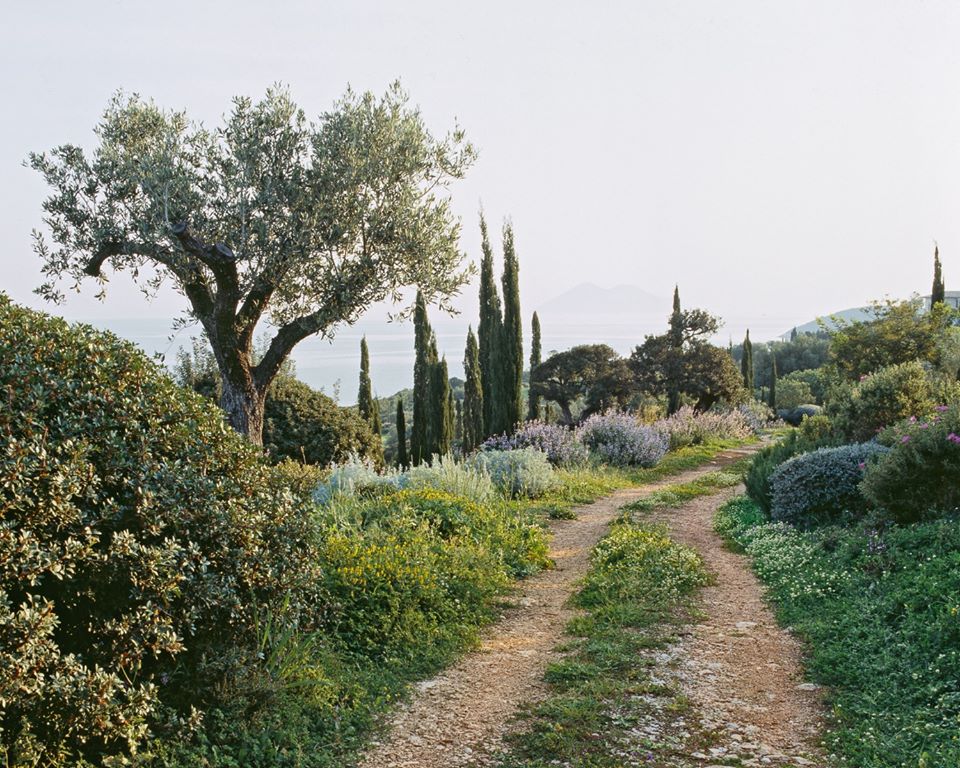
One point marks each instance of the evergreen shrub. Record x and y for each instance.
(881, 399)
(138, 535)
(821, 485)
(920, 476)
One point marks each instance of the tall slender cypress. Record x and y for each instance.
(746, 363)
(488, 337)
(434, 409)
(676, 359)
(473, 433)
(449, 432)
(458, 428)
(533, 400)
(419, 445)
(365, 395)
(403, 460)
(512, 334)
(441, 432)
(773, 382)
(676, 320)
(937, 295)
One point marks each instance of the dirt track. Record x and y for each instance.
(459, 718)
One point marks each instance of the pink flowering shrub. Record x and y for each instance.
(561, 445)
(619, 439)
(920, 477)
(687, 427)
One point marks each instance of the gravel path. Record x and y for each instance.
(741, 671)
(459, 718)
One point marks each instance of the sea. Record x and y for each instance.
(333, 365)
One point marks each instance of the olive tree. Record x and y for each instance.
(268, 217)
(594, 372)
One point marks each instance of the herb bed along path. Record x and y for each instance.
(459, 718)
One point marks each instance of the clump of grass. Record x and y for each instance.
(638, 584)
(680, 493)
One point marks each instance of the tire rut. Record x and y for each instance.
(459, 718)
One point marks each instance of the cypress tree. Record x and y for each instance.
(512, 336)
(488, 337)
(676, 341)
(473, 432)
(746, 363)
(458, 429)
(676, 320)
(773, 382)
(434, 409)
(375, 423)
(937, 295)
(402, 459)
(533, 401)
(793, 334)
(365, 394)
(441, 432)
(419, 445)
(449, 434)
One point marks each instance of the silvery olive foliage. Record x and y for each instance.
(138, 535)
(268, 215)
(521, 473)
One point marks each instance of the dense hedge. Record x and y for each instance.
(305, 425)
(139, 535)
(821, 485)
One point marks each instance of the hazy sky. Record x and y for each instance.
(777, 159)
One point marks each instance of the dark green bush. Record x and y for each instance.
(814, 432)
(883, 398)
(920, 477)
(138, 537)
(300, 423)
(821, 485)
(305, 425)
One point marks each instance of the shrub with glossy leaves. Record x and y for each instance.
(618, 439)
(561, 445)
(822, 485)
(138, 533)
(305, 425)
(920, 477)
(525, 472)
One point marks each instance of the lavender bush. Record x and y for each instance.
(617, 438)
(560, 444)
(687, 427)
